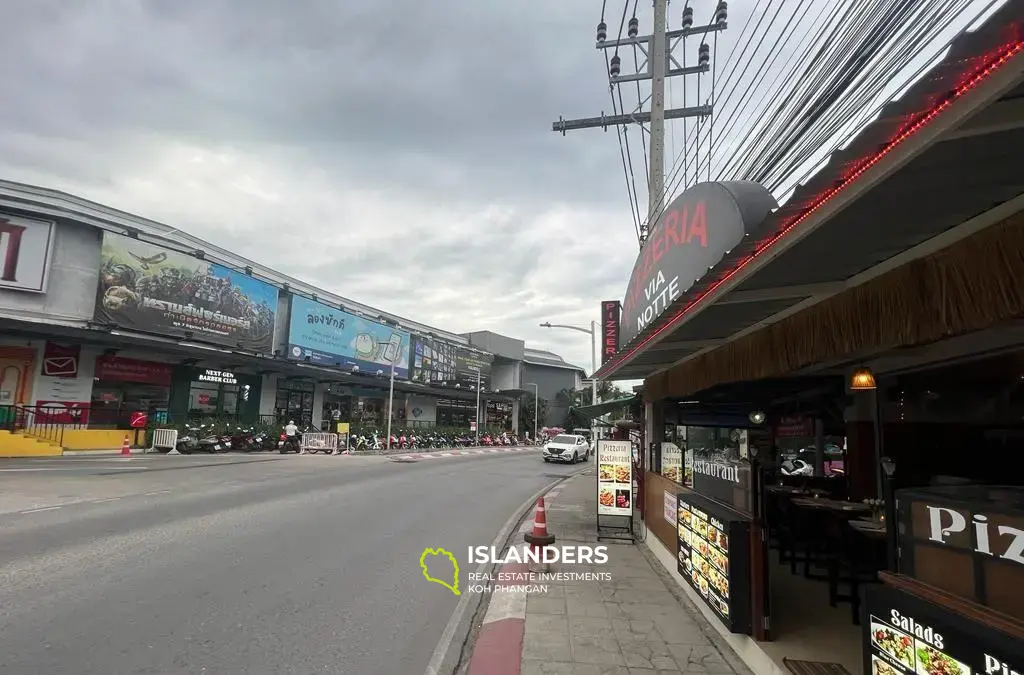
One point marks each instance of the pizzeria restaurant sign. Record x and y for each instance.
(696, 230)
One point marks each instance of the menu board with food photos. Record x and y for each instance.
(907, 635)
(672, 463)
(714, 558)
(614, 478)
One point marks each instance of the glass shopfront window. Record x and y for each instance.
(215, 393)
(455, 413)
(684, 443)
(294, 401)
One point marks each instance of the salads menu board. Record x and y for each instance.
(614, 478)
(713, 557)
(907, 635)
(672, 463)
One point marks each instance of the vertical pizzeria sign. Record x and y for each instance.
(610, 311)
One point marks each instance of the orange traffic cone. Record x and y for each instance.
(540, 537)
(126, 448)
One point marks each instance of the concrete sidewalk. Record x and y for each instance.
(627, 622)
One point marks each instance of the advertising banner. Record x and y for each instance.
(907, 634)
(614, 478)
(26, 247)
(149, 288)
(328, 336)
(468, 363)
(610, 313)
(432, 361)
(672, 462)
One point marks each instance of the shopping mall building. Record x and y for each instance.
(109, 321)
(832, 463)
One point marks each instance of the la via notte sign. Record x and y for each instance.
(693, 234)
(1001, 541)
(610, 311)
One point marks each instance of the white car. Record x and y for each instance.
(568, 448)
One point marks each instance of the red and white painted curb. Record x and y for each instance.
(460, 453)
(499, 645)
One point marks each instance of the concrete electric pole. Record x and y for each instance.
(660, 64)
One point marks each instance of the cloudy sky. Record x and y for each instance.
(396, 152)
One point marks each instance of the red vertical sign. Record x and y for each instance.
(610, 312)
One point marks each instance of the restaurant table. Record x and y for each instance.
(831, 504)
(786, 490)
(869, 528)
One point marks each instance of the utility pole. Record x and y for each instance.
(659, 65)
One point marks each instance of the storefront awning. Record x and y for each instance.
(908, 184)
(604, 408)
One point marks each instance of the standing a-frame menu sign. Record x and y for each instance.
(614, 487)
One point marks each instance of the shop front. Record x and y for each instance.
(878, 361)
(294, 401)
(216, 394)
(124, 385)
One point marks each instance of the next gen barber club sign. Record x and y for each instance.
(693, 234)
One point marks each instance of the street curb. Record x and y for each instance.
(498, 647)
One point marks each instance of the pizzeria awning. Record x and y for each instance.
(926, 171)
(604, 408)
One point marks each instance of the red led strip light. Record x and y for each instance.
(1004, 56)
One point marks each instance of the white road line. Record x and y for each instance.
(108, 499)
(45, 508)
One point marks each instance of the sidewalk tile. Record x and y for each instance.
(547, 648)
(546, 624)
(592, 626)
(586, 607)
(544, 605)
(600, 650)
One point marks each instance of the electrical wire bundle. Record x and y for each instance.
(801, 78)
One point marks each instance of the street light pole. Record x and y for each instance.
(391, 401)
(593, 332)
(478, 406)
(536, 406)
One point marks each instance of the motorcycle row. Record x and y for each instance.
(211, 438)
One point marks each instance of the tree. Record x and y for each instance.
(526, 414)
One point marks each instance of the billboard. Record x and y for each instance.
(152, 289)
(432, 361)
(610, 311)
(468, 363)
(328, 336)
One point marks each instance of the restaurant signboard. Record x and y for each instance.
(906, 634)
(614, 478)
(713, 556)
(727, 481)
(966, 540)
(695, 231)
(611, 310)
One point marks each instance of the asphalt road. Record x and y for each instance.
(298, 565)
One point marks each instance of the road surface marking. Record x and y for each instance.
(108, 499)
(45, 508)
